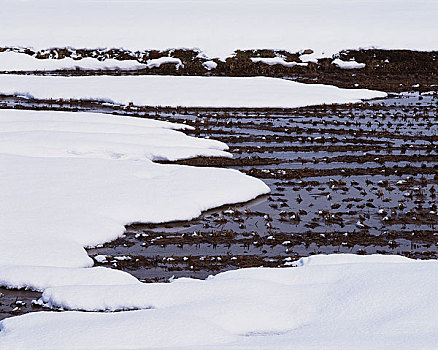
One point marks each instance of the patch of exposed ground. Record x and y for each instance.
(16, 302)
(385, 70)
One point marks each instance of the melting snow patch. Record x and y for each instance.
(276, 60)
(348, 64)
(13, 61)
(157, 62)
(210, 65)
(101, 258)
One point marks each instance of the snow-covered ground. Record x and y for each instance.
(13, 61)
(219, 27)
(327, 302)
(42, 277)
(348, 64)
(276, 60)
(74, 180)
(187, 91)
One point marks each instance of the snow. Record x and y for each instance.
(312, 57)
(209, 65)
(220, 27)
(100, 258)
(341, 302)
(276, 60)
(157, 62)
(189, 91)
(70, 181)
(41, 277)
(27, 250)
(348, 64)
(13, 61)
(337, 259)
(32, 133)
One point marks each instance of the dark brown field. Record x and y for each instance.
(385, 70)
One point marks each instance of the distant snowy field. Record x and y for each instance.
(219, 27)
(184, 91)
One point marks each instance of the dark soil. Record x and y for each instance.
(385, 70)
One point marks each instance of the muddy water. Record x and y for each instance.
(353, 179)
(17, 302)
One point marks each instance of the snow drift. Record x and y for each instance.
(74, 180)
(340, 302)
(184, 91)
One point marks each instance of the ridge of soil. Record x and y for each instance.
(385, 70)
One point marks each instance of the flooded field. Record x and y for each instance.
(357, 179)
(16, 302)
(353, 179)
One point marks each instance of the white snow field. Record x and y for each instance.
(371, 302)
(71, 180)
(220, 27)
(184, 91)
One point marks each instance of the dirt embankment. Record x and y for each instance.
(386, 70)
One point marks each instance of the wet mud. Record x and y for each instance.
(17, 302)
